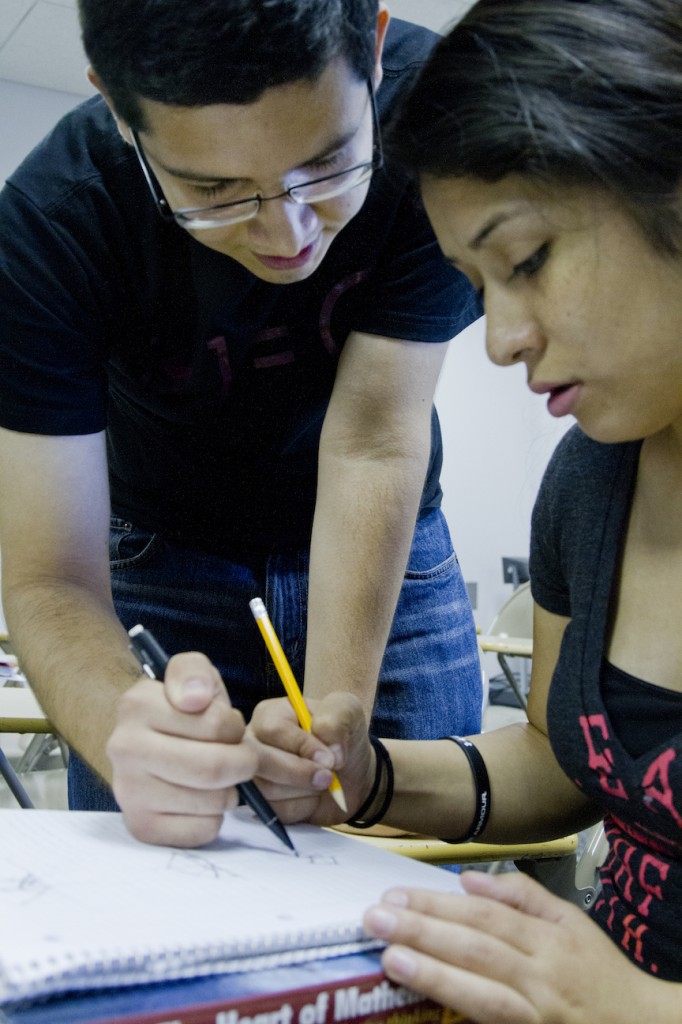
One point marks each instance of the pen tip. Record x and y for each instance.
(287, 839)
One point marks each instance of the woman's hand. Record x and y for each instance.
(295, 766)
(510, 952)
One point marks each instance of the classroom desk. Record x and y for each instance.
(20, 712)
(435, 851)
(512, 646)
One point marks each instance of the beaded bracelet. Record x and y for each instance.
(383, 761)
(482, 783)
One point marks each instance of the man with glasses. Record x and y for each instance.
(223, 317)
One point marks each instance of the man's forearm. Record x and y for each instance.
(364, 524)
(74, 652)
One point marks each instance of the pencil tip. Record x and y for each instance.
(338, 795)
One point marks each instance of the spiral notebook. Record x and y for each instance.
(86, 906)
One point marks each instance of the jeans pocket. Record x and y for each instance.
(432, 553)
(130, 546)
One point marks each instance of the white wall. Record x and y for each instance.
(435, 14)
(497, 439)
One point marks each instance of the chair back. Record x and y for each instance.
(515, 617)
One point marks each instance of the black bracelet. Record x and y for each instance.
(482, 783)
(383, 761)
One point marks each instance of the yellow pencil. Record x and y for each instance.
(290, 685)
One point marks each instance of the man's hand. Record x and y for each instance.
(177, 751)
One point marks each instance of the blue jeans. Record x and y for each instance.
(430, 681)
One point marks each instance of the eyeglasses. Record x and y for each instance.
(319, 190)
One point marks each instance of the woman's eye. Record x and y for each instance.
(534, 263)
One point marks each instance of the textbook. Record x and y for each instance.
(86, 906)
(344, 990)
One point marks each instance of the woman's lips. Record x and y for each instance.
(287, 262)
(562, 397)
(562, 400)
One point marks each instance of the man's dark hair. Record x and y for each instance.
(566, 92)
(191, 53)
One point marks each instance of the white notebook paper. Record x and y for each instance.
(84, 905)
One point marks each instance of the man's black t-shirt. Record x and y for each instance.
(212, 384)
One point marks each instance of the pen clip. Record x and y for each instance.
(146, 668)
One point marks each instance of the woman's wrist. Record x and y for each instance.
(378, 800)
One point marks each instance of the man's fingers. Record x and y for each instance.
(192, 682)
(146, 704)
(181, 830)
(175, 770)
(182, 761)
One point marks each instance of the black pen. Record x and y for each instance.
(153, 660)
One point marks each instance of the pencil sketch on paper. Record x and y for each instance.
(25, 887)
(321, 859)
(191, 862)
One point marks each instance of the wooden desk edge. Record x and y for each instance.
(435, 851)
(20, 712)
(514, 645)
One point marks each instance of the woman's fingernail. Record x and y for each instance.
(322, 779)
(400, 964)
(382, 922)
(396, 897)
(325, 758)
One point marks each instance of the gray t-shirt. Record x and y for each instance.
(579, 524)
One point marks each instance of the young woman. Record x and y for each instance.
(547, 137)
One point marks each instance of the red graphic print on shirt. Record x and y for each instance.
(656, 785)
(596, 733)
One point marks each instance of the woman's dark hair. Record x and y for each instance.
(568, 92)
(198, 52)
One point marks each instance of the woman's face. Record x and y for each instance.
(574, 290)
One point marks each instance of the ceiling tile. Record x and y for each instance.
(11, 13)
(40, 39)
(45, 49)
(434, 14)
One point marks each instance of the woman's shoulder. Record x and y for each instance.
(581, 466)
(587, 484)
